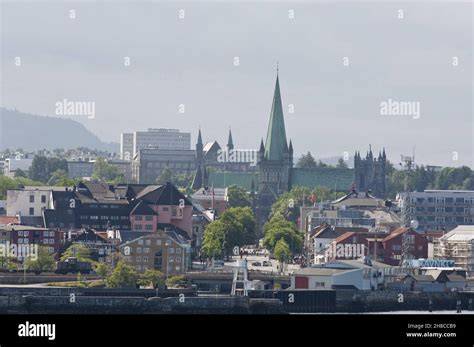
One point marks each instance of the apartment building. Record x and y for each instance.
(437, 209)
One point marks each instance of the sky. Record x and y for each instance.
(339, 62)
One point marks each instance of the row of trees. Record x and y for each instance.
(307, 161)
(122, 275)
(422, 178)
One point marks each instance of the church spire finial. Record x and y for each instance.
(278, 67)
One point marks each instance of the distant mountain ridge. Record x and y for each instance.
(33, 132)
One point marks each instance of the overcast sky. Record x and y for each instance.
(191, 60)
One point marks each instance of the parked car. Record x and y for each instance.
(256, 263)
(267, 263)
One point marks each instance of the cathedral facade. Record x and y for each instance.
(275, 172)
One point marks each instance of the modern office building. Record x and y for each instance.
(168, 139)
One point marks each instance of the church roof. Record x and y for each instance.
(332, 178)
(226, 179)
(276, 144)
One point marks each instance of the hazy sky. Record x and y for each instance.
(191, 60)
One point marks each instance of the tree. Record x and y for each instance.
(278, 228)
(282, 251)
(7, 263)
(102, 269)
(306, 161)
(103, 171)
(78, 251)
(6, 183)
(341, 164)
(60, 178)
(20, 173)
(42, 167)
(238, 197)
(235, 227)
(44, 261)
(152, 278)
(174, 280)
(123, 276)
(166, 175)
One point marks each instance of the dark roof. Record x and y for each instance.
(330, 232)
(456, 278)
(164, 194)
(355, 194)
(422, 278)
(174, 232)
(143, 209)
(32, 220)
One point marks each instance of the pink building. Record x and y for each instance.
(161, 205)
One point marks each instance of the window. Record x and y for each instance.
(139, 250)
(26, 233)
(168, 242)
(171, 250)
(138, 259)
(178, 259)
(178, 250)
(104, 217)
(138, 227)
(174, 212)
(51, 241)
(94, 217)
(145, 259)
(149, 227)
(20, 240)
(140, 242)
(165, 209)
(178, 268)
(146, 250)
(20, 233)
(137, 217)
(45, 233)
(148, 242)
(171, 259)
(43, 199)
(32, 198)
(148, 218)
(158, 242)
(32, 211)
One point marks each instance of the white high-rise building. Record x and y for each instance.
(170, 139)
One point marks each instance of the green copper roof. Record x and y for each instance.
(226, 179)
(332, 178)
(276, 135)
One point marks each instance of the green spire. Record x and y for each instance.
(276, 135)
